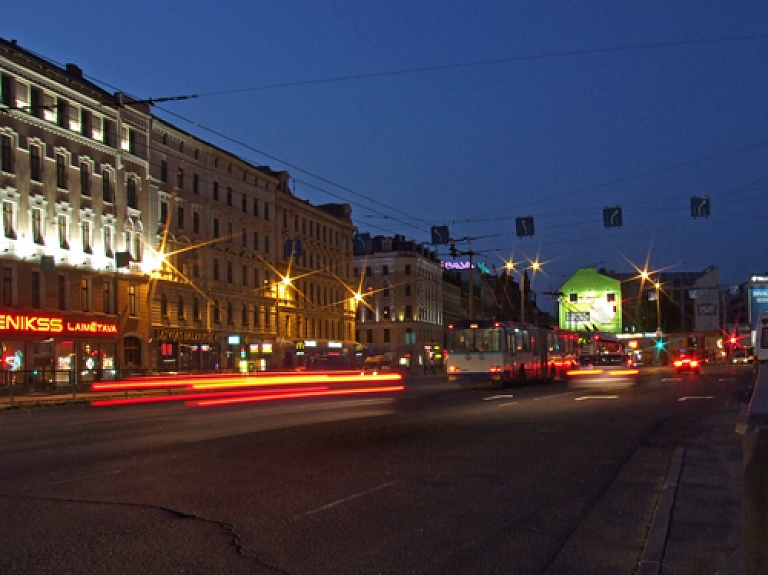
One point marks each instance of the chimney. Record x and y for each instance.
(74, 70)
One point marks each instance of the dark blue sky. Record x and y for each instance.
(553, 109)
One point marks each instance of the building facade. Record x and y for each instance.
(130, 246)
(401, 311)
(249, 277)
(74, 183)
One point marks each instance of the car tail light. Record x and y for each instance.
(678, 363)
(453, 369)
(694, 363)
(495, 369)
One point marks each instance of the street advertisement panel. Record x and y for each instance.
(591, 301)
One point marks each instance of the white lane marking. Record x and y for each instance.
(583, 397)
(550, 396)
(508, 403)
(346, 499)
(695, 397)
(725, 379)
(495, 397)
(671, 379)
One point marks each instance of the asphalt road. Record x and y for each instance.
(528, 480)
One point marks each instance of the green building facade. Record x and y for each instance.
(591, 301)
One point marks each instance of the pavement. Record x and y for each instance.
(696, 528)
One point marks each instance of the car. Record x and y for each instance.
(741, 357)
(603, 371)
(377, 364)
(687, 364)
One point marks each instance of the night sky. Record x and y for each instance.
(468, 114)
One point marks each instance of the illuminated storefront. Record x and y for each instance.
(53, 349)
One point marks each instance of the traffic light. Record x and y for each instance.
(454, 253)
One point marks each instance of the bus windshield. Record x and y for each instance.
(474, 340)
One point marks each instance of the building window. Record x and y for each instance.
(256, 241)
(266, 244)
(180, 217)
(369, 336)
(35, 288)
(408, 269)
(230, 313)
(385, 270)
(61, 171)
(108, 242)
(180, 312)
(266, 212)
(133, 300)
(408, 312)
(215, 191)
(86, 236)
(574, 297)
(215, 227)
(180, 178)
(229, 196)
(63, 225)
(107, 296)
(132, 351)
(196, 309)
(244, 237)
(216, 311)
(6, 156)
(85, 179)
(61, 291)
(163, 171)
(408, 289)
(106, 186)
(245, 275)
(368, 271)
(244, 316)
(163, 305)
(256, 207)
(386, 335)
(132, 194)
(35, 164)
(196, 222)
(85, 294)
(215, 269)
(163, 212)
(196, 183)
(37, 226)
(229, 273)
(256, 312)
(244, 203)
(7, 287)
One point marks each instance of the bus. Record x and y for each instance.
(487, 350)
(563, 350)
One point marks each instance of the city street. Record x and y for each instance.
(530, 480)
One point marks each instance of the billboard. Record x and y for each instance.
(591, 301)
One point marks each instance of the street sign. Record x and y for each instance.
(700, 207)
(612, 217)
(440, 235)
(524, 226)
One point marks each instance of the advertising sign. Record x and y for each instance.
(591, 301)
(47, 325)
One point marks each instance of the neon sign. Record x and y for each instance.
(48, 325)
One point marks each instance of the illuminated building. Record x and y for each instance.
(230, 295)
(114, 216)
(74, 188)
(401, 310)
